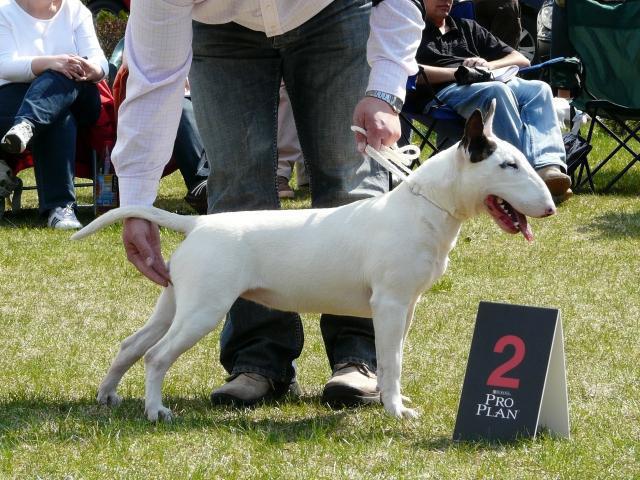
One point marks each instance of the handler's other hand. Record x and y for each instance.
(379, 120)
(141, 240)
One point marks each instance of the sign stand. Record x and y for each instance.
(515, 381)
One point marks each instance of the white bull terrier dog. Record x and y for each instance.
(372, 258)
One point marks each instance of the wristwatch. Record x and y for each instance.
(394, 102)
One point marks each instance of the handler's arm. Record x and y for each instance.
(396, 28)
(158, 51)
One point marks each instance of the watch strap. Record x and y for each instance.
(393, 101)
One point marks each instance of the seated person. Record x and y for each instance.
(50, 61)
(524, 117)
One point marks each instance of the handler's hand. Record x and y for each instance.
(379, 120)
(142, 243)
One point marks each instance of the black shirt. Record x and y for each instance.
(465, 39)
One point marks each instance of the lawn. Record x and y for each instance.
(66, 306)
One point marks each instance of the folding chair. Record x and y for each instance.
(605, 35)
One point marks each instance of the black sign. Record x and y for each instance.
(507, 371)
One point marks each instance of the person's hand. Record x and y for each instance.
(379, 120)
(92, 72)
(475, 62)
(141, 240)
(71, 66)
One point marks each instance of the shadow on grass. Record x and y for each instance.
(613, 225)
(39, 419)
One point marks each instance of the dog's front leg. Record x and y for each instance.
(389, 318)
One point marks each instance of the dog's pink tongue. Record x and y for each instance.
(524, 227)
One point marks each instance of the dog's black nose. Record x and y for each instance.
(550, 211)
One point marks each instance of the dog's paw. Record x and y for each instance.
(109, 398)
(400, 411)
(160, 413)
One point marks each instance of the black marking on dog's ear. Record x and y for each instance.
(475, 141)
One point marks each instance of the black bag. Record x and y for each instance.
(576, 149)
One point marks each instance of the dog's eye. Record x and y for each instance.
(506, 164)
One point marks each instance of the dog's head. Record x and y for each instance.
(496, 177)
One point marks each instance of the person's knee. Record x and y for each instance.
(498, 91)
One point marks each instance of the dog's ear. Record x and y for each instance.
(488, 119)
(475, 140)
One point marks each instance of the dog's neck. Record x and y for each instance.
(436, 182)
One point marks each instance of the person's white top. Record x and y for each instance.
(23, 37)
(158, 49)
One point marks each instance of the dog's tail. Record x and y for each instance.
(180, 223)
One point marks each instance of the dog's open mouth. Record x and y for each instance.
(507, 217)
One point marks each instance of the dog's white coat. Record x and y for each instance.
(372, 258)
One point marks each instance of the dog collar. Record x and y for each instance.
(415, 189)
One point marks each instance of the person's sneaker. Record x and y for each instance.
(245, 390)
(197, 197)
(351, 385)
(284, 190)
(557, 182)
(16, 139)
(63, 218)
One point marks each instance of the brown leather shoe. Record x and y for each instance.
(284, 190)
(557, 182)
(351, 385)
(562, 198)
(247, 389)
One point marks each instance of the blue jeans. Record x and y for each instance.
(525, 116)
(188, 150)
(235, 80)
(56, 107)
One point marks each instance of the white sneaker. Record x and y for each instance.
(63, 218)
(17, 138)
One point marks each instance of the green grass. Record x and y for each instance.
(66, 306)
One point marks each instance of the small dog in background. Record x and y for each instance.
(10, 188)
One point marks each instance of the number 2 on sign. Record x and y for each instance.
(497, 378)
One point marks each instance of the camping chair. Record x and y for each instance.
(606, 38)
(91, 143)
(440, 118)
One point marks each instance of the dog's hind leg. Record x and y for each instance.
(135, 346)
(389, 319)
(187, 328)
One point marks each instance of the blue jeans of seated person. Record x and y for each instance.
(235, 80)
(525, 116)
(55, 106)
(188, 150)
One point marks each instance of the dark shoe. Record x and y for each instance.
(16, 139)
(248, 389)
(351, 385)
(284, 190)
(557, 182)
(197, 197)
